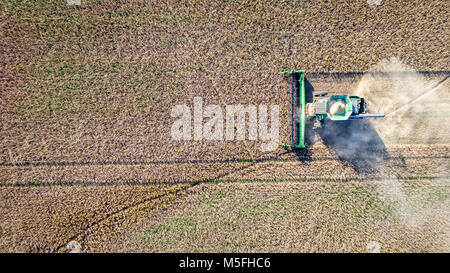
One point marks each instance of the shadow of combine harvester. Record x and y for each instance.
(356, 142)
(347, 130)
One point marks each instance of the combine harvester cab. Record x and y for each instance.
(319, 109)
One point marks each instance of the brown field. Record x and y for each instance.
(45, 219)
(85, 146)
(299, 217)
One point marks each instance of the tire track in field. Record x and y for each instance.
(310, 154)
(194, 161)
(23, 175)
(126, 182)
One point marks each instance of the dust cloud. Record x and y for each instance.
(406, 97)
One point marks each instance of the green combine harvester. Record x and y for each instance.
(317, 109)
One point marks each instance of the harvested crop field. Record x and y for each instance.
(301, 217)
(86, 152)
